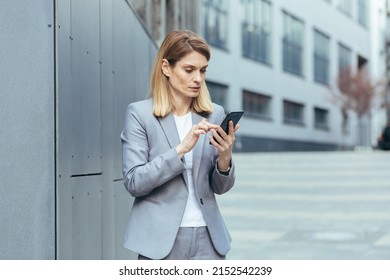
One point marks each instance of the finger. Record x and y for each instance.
(210, 125)
(236, 127)
(204, 121)
(214, 143)
(202, 126)
(199, 132)
(222, 133)
(220, 145)
(217, 136)
(231, 128)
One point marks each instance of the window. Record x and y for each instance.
(176, 15)
(344, 57)
(292, 45)
(321, 58)
(257, 105)
(160, 16)
(218, 93)
(321, 117)
(293, 113)
(216, 22)
(362, 12)
(256, 30)
(345, 6)
(345, 125)
(361, 62)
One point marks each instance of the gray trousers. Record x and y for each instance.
(192, 243)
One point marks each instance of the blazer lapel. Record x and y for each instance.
(169, 127)
(198, 149)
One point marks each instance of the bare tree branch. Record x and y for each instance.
(357, 92)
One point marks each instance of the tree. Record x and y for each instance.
(360, 94)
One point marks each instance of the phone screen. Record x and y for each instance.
(231, 116)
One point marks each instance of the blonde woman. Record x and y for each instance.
(176, 157)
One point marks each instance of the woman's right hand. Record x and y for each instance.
(193, 135)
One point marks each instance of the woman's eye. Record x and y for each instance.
(203, 71)
(188, 70)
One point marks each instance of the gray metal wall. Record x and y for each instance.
(104, 60)
(27, 151)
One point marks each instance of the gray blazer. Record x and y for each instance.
(155, 175)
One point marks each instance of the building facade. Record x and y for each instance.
(70, 70)
(278, 61)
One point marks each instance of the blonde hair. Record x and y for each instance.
(175, 46)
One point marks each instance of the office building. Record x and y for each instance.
(279, 61)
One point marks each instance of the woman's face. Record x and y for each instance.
(187, 76)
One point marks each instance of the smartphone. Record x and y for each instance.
(234, 116)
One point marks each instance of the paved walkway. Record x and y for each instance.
(320, 205)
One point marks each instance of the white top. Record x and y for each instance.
(193, 216)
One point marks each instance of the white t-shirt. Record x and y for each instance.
(193, 216)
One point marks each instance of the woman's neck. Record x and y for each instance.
(181, 106)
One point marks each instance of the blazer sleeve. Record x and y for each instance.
(140, 175)
(220, 183)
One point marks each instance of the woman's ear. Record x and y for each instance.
(165, 67)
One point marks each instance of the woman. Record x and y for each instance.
(176, 158)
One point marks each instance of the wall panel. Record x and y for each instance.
(99, 74)
(86, 217)
(27, 114)
(86, 100)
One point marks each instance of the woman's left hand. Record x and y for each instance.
(224, 144)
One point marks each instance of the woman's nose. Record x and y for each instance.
(197, 77)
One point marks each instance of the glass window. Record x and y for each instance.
(321, 58)
(361, 62)
(218, 93)
(321, 119)
(257, 105)
(344, 57)
(216, 22)
(292, 44)
(345, 125)
(293, 113)
(345, 6)
(256, 30)
(362, 12)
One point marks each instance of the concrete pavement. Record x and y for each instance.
(314, 205)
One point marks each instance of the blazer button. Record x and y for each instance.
(201, 201)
